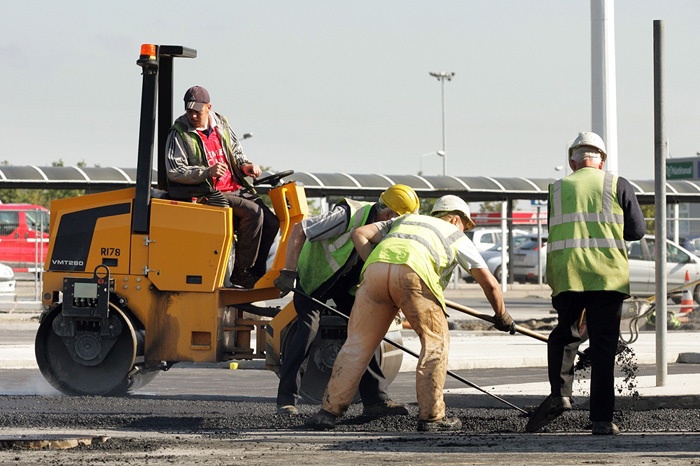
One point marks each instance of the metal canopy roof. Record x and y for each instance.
(471, 188)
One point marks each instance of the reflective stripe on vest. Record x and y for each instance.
(195, 149)
(446, 242)
(319, 260)
(586, 249)
(426, 244)
(606, 216)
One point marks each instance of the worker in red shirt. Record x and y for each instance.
(204, 160)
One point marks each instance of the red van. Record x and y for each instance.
(24, 236)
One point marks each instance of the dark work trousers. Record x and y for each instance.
(248, 224)
(271, 226)
(603, 310)
(373, 385)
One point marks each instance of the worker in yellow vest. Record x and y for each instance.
(409, 269)
(321, 260)
(591, 214)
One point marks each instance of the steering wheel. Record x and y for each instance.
(274, 179)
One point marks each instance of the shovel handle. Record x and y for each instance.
(488, 318)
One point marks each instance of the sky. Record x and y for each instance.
(330, 86)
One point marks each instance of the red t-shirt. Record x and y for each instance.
(215, 153)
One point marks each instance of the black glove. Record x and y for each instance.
(504, 322)
(285, 282)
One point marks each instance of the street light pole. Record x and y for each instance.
(437, 152)
(441, 76)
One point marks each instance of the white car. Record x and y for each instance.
(525, 260)
(492, 256)
(487, 237)
(643, 267)
(7, 281)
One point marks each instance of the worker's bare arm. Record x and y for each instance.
(364, 239)
(491, 288)
(294, 245)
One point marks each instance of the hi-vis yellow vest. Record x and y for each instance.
(586, 250)
(428, 245)
(319, 260)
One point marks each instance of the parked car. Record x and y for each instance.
(643, 267)
(24, 236)
(492, 256)
(691, 243)
(7, 282)
(487, 237)
(525, 260)
(641, 264)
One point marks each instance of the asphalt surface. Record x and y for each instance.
(207, 414)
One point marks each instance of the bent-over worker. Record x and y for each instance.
(409, 269)
(321, 255)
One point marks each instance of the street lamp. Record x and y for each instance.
(441, 76)
(441, 153)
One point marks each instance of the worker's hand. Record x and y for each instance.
(251, 170)
(504, 322)
(217, 170)
(285, 282)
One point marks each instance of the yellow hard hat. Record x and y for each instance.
(401, 199)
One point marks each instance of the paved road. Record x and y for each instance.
(199, 414)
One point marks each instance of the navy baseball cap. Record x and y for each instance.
(196, 98)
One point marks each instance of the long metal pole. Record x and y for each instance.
(444, 153)
(412, 353)
(660, 153)
(603, 75)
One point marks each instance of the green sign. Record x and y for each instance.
(679, 170)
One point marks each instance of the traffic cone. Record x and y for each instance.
(687, 297)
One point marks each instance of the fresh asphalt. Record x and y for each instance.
(504, 365)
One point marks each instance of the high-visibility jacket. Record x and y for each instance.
(319, 260)
(586, 250)
(427, 244)
(196, 157)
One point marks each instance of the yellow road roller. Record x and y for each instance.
(134, 282)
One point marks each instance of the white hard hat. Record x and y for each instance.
(451, 203)
(589, 139)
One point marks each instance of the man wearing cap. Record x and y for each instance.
(408, 263)
(204, 160)
(320, 254)
(591, 214)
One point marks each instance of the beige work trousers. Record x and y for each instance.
(385, 289)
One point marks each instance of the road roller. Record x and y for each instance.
(135, 282)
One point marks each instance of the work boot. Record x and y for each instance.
(605, 428)
(385, 408)
(551, 408)
(241, 278)
(287, 410)
(322, 420)
(441, 425)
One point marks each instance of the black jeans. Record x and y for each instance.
(271, 226)
(603, 310)
(373, 385)
(256, 227)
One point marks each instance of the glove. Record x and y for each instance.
(285, 282)
(504, 322)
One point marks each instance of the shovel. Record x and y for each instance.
(412, 353)
(525, 331)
